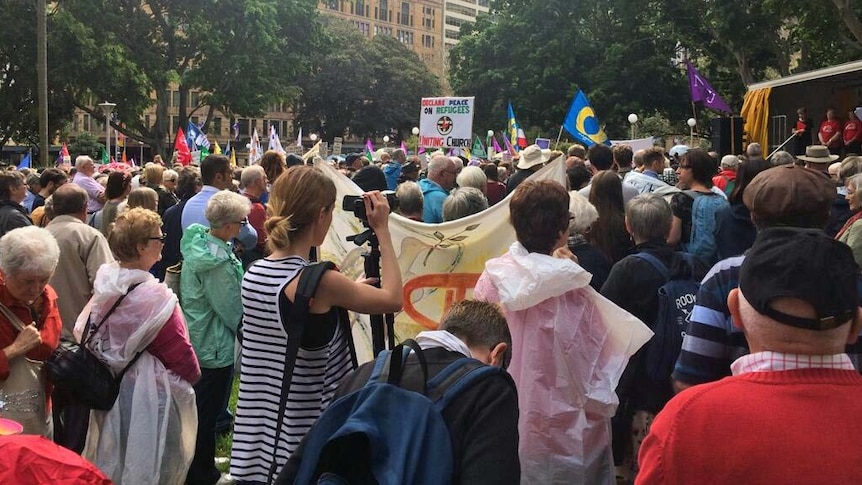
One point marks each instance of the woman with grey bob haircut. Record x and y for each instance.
(648, 217)
(29, 324)
(462, 202)
(226, 207)
(410, 200)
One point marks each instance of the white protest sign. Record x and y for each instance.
(446, 122)
(336, 145)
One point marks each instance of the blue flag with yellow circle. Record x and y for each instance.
(581, 122)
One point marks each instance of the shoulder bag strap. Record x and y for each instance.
(13, 319)
(87, 336)
(657, 264)
(294, 327)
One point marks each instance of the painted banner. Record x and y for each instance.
(439, 263)
(446, 122)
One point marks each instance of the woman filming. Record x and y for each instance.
(301, 206)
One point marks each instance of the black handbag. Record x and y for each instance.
(74, 368)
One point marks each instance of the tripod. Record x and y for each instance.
(382, 325)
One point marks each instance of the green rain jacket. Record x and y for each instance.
(210, 288)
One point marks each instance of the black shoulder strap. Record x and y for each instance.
(88, 333)
(294, 327)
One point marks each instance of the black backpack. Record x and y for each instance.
(676, 299)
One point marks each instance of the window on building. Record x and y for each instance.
(243, 127)
(364, 27)
(484, 3)
(216, 130)
(452, 34)
(383, 12)
(332, 4)
(360, 7)
(455, 8)
(405, 14)
(175, 122)
(194, 98)
(175, 99)
(455, 21)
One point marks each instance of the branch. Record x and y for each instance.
(850, 19)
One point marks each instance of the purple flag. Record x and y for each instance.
(509, 146)
(404, 147)
(702, 91)
(497, 148)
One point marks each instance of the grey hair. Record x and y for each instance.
(81, 161)
(226, 207)
(472, 177)
(170, 175)
(649, 217)
(730, 162)
(462, 202)
(782, 158)
(410, 198)
(583, 213)
(854, 182)
(754, 150)
(31, 250)
(438, 164)
(250, 175)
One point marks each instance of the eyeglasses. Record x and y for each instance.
(453, 172)
(243, 222)
(159, 238)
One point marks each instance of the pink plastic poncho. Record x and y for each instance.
(570, 346)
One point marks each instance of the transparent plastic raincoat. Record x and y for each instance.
(148, 437)
(570, 346)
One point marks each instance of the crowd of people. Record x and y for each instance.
(773, 248)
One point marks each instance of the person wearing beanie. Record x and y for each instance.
(788, 413)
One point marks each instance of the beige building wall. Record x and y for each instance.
(418, 24)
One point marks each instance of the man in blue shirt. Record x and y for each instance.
(216, 175)
(441, 178)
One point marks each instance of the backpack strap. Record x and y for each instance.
(456, 378)
(392, 369)
(309, 280)
(657, 264)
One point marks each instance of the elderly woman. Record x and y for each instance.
(12, 192)
(583, 215)
(29, 325)
(410, 200)
(301, 206)
(472, 176)
(210, 289)
(851, 233)
(563, 331)
(143, 197)
(462, 202)
(148, 437)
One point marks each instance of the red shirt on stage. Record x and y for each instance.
(827, 130)
(852, 131)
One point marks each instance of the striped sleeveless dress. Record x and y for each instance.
(316, 375)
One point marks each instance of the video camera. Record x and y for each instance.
(355, 204)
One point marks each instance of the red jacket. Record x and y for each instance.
(796, 426)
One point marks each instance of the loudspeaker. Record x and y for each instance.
(727, 134)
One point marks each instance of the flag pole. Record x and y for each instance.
(559, 135)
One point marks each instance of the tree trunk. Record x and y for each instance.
(845, 11)
(42, 72)
(160, 129)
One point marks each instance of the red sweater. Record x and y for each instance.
(798, 426)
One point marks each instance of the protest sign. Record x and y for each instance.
(446, 122)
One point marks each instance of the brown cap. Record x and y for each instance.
(790, 195)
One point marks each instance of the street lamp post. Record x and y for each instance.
(415, 132)
(141, 160)
(386, 140)
(107, 109)
(633, 119)
(691, 124)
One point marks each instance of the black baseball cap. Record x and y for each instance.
(805, 264)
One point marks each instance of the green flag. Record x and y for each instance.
(478, 150)
(105, 159)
